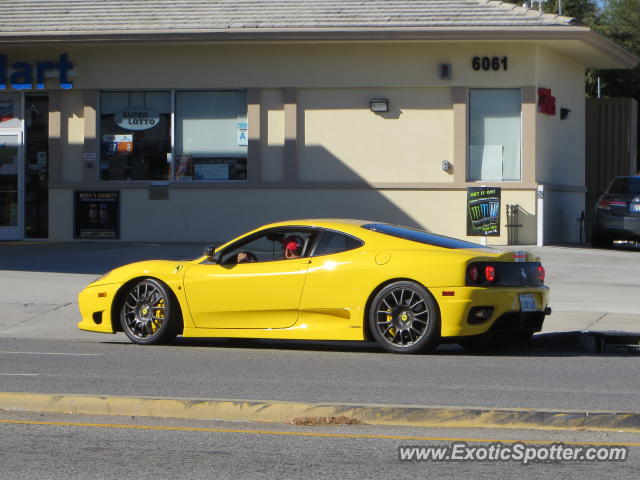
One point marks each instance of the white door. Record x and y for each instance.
(11, 167)
(11, 183)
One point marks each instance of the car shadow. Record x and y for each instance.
(564, 344)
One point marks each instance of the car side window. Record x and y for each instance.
(269, 246)
(261, 248)
(334, 242)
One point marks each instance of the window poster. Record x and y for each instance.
(8, 156)
(184, 169)
(243, 131)
(9, 113)
(96, 214)
(483, 211)
(7, 110)
(211, 171)
(118, 144)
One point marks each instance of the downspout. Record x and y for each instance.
(540, 216)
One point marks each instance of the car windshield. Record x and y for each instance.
(625, 185)
(419, 236)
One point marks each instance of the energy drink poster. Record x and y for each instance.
(483, 211)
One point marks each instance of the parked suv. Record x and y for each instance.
(617, 212)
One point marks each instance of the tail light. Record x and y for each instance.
(541, 273)
(490, 273)
(479, 274)
(474, 273)
(606, 204)
(504, 274)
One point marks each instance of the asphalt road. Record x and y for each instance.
(535, 376)
(38, 317)
(56, 447)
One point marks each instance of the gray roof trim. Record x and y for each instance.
(300, 34)
(314, 35)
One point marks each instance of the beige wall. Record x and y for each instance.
(315, 127)
(184, 65)
(217, 215)
(308, 65)
(272, 144)
(561, 213)
(72, 113)
(344, 141)
(560, 144)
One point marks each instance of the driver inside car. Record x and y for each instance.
(292, 246)
(246, 257)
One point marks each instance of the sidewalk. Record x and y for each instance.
(595, 291)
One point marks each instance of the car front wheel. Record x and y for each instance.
(147, 315)
(404, 318)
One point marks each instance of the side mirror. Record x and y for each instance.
(209, 252)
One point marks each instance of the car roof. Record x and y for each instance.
(354, 227)
(321, 222)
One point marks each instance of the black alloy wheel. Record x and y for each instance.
(404, 318)
(148, 315)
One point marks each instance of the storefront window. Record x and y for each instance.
(494, 134)
(211, 135)
(135, 133)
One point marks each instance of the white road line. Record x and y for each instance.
(57, 353)
(20, 374)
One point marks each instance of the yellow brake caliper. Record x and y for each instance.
(158, 311)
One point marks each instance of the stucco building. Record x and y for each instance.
(193, 120)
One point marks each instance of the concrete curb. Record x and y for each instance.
(280, 411)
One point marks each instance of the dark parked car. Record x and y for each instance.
(617, 212)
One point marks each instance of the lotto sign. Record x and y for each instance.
(117, 144)
(136, 118)
(483, 211)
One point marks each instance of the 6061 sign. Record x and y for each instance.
(489, 63)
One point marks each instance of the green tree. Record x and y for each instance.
(620, 22)
(584, 11)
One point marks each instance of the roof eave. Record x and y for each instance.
(620, 57)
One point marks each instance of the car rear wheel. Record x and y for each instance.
(404, 318)
(147, 315)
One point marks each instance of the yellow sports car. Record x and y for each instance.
(407, 289)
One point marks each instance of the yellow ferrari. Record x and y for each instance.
(407, 289)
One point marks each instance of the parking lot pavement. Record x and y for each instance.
(591, 290)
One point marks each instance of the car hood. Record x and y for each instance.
(151, 268)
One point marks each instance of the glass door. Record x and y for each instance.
(10, 185)
(36, 166)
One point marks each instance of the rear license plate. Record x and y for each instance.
(527, 302)
(634, 207)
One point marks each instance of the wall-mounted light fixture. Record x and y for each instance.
(379, 105)
(445, 71)
(564, 113)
